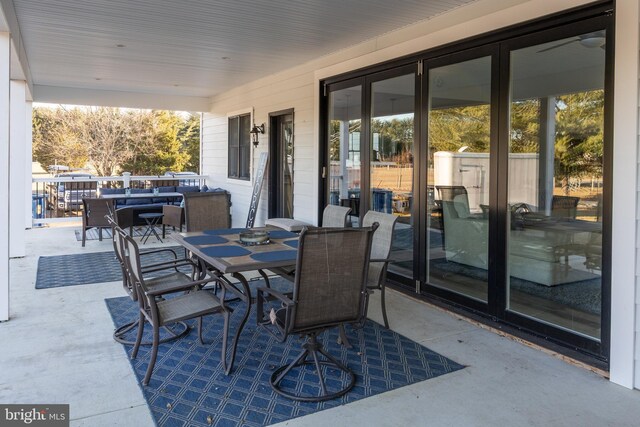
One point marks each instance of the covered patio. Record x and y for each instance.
(60, 349)
(268, 63)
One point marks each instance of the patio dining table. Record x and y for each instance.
(222, 251)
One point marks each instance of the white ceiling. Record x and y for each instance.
(179, 47)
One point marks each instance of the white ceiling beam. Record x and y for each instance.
(112, 98)
(19, 64)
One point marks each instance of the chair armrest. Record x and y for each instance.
(387, 260)
(155, 251)
(168, 265)
(179, 287)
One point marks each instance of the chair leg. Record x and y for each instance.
(136, 347)
(100, 234)
(164, 231)
(154, 354)
(84, 236)
(200, 330)
(342, 337)
(384, 306)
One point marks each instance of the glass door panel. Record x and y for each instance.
(459, 135)
(391, 168)
(555, 182)
(345, 128)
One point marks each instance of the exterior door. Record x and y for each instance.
(281, 165)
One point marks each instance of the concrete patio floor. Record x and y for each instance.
(58, 348)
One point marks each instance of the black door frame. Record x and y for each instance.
(275, 152)
(499, 43)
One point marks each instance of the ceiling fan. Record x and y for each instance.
(589, 40)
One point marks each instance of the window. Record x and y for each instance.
(240, 147)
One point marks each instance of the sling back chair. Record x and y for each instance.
(329, 291)
(157, 307)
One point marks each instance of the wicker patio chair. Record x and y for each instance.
(158, 281)
(192, 302)
(172, 216)
(207, 211)
(335, 216)
(380, 251)
(329, 290)
(93, 215)
(564, 206)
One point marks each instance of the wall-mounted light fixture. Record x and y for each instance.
(255, 130)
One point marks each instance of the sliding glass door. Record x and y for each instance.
(391, 161)
(458, 180)
(555, 193)
(496, 160)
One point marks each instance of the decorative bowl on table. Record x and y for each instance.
(254, 237)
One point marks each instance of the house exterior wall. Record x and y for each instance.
(298, 88)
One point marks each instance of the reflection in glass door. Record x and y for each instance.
(459, 136)
(556, 181)
(345, 128)
(391, 168)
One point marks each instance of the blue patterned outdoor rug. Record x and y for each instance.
(85, 268)
(189, 388)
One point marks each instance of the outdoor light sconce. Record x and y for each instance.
(255, 130)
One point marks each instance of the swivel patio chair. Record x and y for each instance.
(158, 281)
(329, 291)
(335, 216)
(192, 302)
(93, 215)
(207, 211)
(380, 251)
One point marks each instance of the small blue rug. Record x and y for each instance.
(92, 267)
(189, 388)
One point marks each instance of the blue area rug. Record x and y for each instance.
(189, 388)
(85, 268)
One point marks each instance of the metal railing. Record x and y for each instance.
(59, 199)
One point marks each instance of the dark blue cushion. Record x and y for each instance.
(135, 201)
(167, 189)
(216, 190)
(187, 189)
(112, 191)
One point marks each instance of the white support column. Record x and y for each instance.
(17, 160)
(4, 175)
(624, 222)
(29, 160)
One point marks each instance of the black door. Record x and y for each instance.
(281, 164)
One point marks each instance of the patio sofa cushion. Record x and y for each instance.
(133, 201)
(165, 200)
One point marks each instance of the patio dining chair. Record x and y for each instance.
(93, 215)
(158, 281)
(335, 216)
(380, 251)
(159, 307)
(329, 291)
(207, 211)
